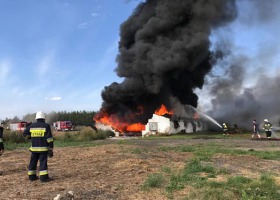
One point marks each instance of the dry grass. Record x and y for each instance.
(118, 169)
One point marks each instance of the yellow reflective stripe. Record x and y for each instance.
(1, 140)
(31, 172)
(39, 149)
(50, 140)
(37, 134)
(45, 172)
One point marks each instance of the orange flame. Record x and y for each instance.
(118, 125)
(122, 127)
(163, 111)
(135, 127)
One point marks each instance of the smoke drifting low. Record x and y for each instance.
(164, 55)
(249, 86)
(235, 103)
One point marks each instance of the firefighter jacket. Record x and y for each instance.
(267, 126)
(1, 138)
(225, 128)
(40, 135)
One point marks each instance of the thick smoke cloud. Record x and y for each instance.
(164, 55)
(236, 104)
(247, 85)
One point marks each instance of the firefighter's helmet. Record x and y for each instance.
(265, 120)
(40, 115)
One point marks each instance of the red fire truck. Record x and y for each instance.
(19, 126)
(62, 125)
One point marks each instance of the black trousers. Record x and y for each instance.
(43, 173)
(268, 133)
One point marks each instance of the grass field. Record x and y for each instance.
(193, 166)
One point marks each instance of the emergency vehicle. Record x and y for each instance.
(19, 126)
(62, 125)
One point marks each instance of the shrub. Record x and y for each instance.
(154, 181)
(107, 133)
(68, 137)
(88, 134)
(14, 136)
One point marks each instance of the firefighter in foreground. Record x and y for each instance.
(1, 139)
(267, 127)
(42, 147)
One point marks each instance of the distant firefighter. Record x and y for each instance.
(256, 129)
(225, 129)
(267, 127)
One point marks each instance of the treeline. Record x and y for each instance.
(76, 117)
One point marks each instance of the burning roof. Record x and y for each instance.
(121, 126)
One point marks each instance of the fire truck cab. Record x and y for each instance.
(62, 126)
(19, 126)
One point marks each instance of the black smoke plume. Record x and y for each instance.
(164, 55)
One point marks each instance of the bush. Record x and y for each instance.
(13, 136)
(108, 133)
(154, 181)
(68, 137)
(88, 134)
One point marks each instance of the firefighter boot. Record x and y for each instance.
(33, 177)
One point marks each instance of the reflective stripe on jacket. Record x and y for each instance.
(225, 128)
(267, 126)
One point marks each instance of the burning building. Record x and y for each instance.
(163, 121)
(164, 54)
(170, 124)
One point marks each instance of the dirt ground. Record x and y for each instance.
(116, 170)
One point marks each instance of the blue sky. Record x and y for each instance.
(57, 55)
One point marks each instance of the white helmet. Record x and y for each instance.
(265, 120)
(40, 115)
